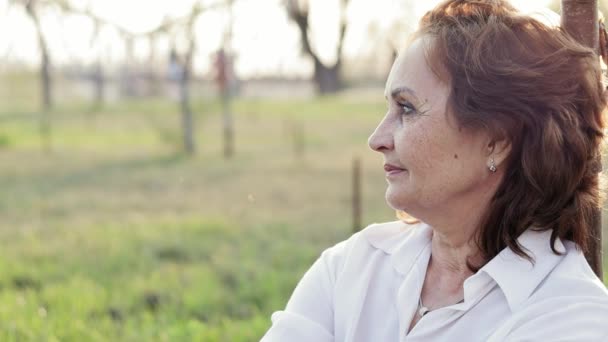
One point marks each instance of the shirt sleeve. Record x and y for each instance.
(309, 314)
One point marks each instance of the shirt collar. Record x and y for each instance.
(403, 242)
(519, 277)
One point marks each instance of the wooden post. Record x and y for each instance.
(356, 194)
(228, 124)
(228, 84)
(299, 139)
(580, 20)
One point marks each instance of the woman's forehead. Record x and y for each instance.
(411, 71)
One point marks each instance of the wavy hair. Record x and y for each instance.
(535, 86)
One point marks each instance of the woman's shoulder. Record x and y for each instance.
(386, 237)
(573, 279)
(570, 303)
(337, 281)
(384, 240)
(571, 286)
(574, 317)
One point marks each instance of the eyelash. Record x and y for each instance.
(407, 108)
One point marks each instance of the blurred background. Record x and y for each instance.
(169, 169)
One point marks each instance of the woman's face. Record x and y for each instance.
(437, 162)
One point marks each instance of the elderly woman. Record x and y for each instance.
(493, 127)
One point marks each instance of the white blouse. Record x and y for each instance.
(367, 288)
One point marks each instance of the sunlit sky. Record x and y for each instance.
(263, 38)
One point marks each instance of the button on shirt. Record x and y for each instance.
(367, 289)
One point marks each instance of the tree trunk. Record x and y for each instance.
(45, 76)
(228, 125)
(45, 60)
(45, 115)
(99, 82)
(228, 79)
(327, 79)
(187, 119)
(45, 79)
(580, 20)
(128, 76)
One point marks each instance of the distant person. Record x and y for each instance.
(175, 74)
(490, 142)
(176, 69)
(225, 77)
(221, 70)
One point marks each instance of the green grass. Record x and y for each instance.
(146, 281)
(116, 235)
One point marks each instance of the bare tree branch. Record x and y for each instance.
(327, 78)
(342, 30)
(165, 26)
(299, 14)
(45, 62)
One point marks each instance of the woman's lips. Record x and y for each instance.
(392, 169)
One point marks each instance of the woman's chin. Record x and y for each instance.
(396, 199)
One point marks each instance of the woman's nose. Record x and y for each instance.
(381, 139)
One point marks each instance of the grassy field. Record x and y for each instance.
(116, 235)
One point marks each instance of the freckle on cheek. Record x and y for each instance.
(455, 156)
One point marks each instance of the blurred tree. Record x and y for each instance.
(185, 72)
(326, 77)
(31, 8)
(99, 82)
(223, 68)
(180, 69)
(580, 20)
(128, 73)
(186, 108)
(226, 79)
(555, 6)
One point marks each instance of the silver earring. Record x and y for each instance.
(492, 166)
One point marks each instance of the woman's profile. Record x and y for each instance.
(490, 141)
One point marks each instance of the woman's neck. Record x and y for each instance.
(451, 254)
(447, 270)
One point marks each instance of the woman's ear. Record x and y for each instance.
(498, 150)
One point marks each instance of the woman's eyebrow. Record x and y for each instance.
(399, 90)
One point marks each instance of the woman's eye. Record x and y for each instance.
(407, 108)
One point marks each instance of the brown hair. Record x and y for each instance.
(535, 86)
